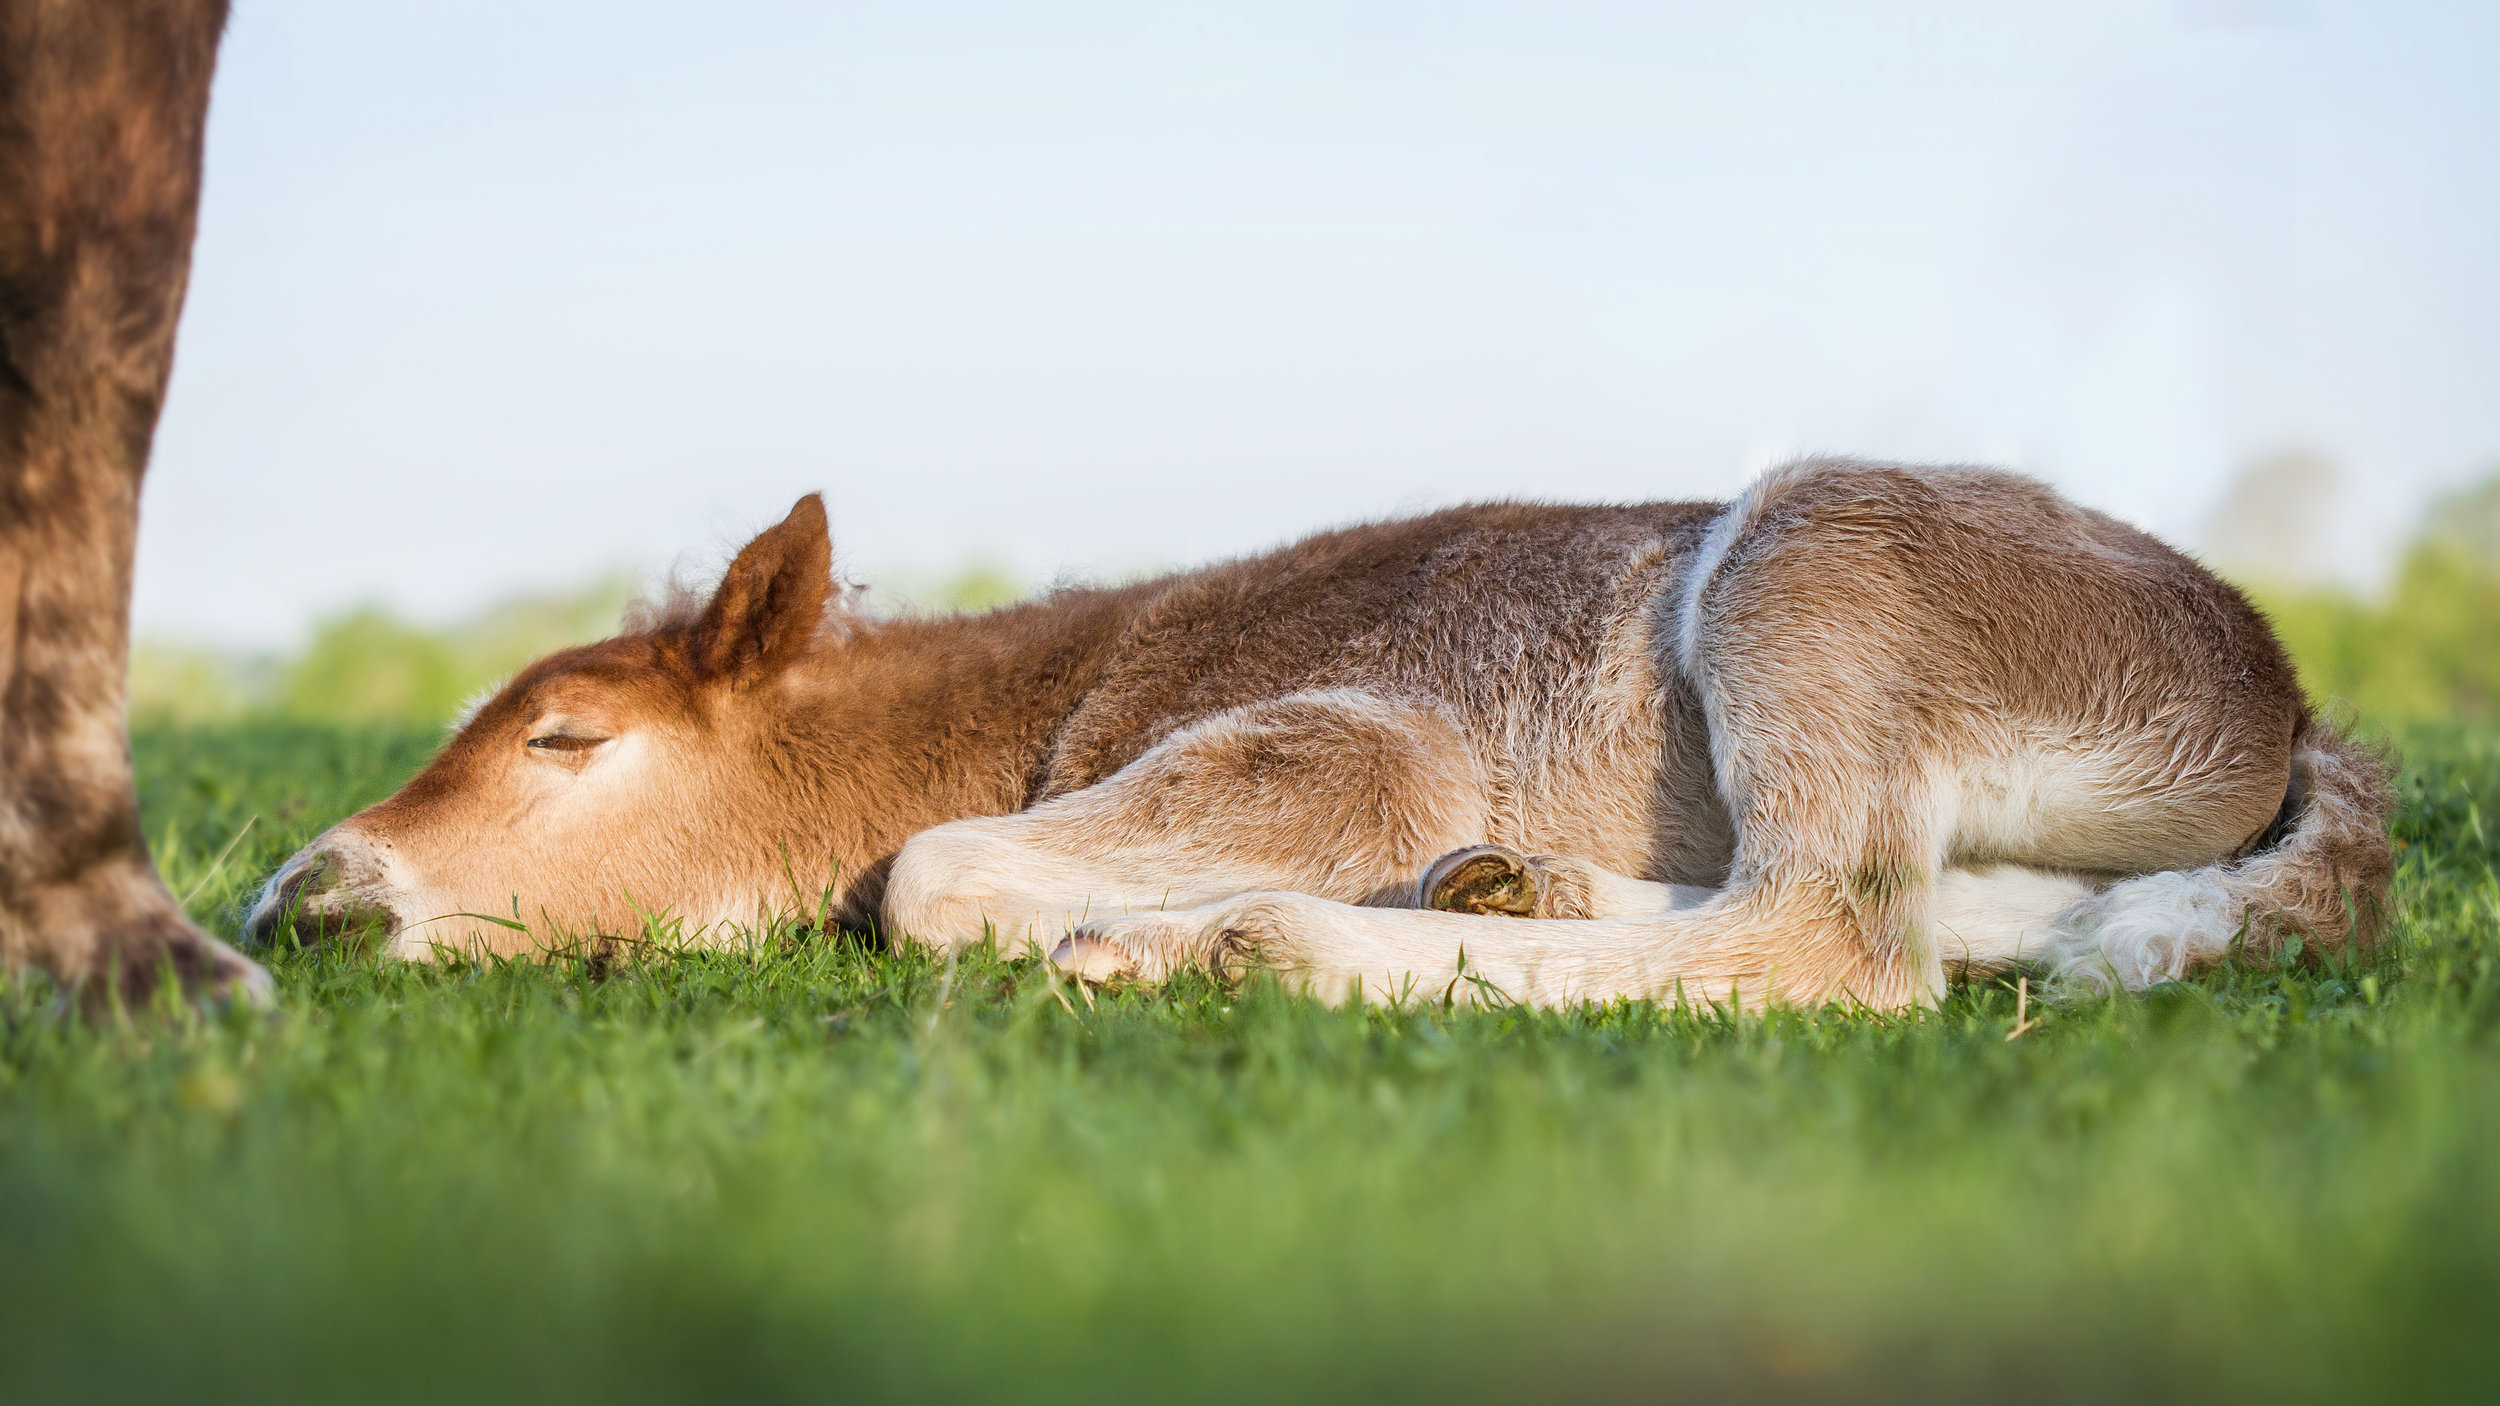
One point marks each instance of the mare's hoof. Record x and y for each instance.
(218, 974)
(128, 963)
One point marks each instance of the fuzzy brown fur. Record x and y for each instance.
(1861, 726)
(102, 110)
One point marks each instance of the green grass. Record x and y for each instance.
(818, 1171)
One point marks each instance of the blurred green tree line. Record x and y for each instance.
(368, 664)
(2425, 647)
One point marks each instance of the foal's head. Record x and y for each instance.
(641, 777)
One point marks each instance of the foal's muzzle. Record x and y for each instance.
(324, 894)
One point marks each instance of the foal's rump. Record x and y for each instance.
(2074, 735)
(2320, 879)
(1953, 721)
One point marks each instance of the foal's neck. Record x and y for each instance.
(940, 719)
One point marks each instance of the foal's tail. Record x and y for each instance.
(2318, 874)
(2323, 877)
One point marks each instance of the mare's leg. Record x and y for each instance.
(102, 108)
(1338, 794)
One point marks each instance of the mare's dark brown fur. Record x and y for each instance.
(102, 109)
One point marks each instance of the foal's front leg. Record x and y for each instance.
(1337, 952)
(1338, 794)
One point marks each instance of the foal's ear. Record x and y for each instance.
(772, 600)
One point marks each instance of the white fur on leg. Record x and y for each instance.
(1988, 920)
(1325, 949)
(1718, 952)
(2133, 934)
(1612, 895)
(2146, 931)
(957, 884)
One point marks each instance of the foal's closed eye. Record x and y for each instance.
(565, 743)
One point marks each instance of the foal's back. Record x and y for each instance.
(1510, 615)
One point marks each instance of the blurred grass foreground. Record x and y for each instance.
(805, 1167)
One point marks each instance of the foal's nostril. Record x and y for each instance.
(291, 903)
(317, 874)
(282, 901)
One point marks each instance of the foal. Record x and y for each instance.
(1865, 725)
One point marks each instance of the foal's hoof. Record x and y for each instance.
(1489, 879)
(1093, 960)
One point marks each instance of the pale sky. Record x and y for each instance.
(494, 295)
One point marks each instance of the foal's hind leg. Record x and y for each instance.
(1338, 794)
(1806, 642)
(1986, 920)
(1836, 876)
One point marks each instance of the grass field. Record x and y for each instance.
(813, 1170)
